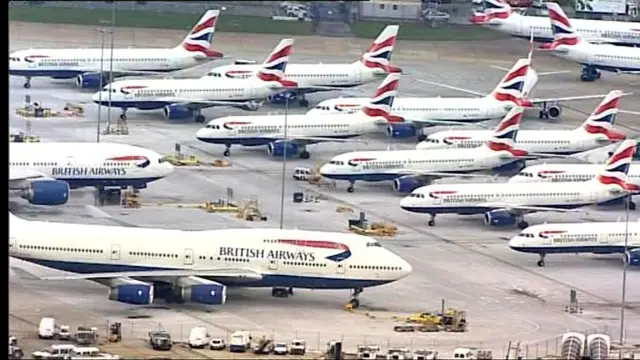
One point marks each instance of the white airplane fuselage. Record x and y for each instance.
(394, 165)
(598, 238)
(283, 258)
(615, 32)
(559, 142)
(567, 173)
(334, 75)
(602, 56)
(483, 198)
(90, 164)
(70, 63)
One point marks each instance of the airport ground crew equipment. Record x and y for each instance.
(265, 346)
(251, 211)
(130, 199)
(86, 336)
(74, 109)
(343, 209)
(23, 138)
(115, 332)
(160, 340)
(362, 226)
(220, 205)
(121, 128)
(15, 352)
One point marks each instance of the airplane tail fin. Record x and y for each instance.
(504, 135)
(563, 32)
(493, 9)
(382, 101)
(378, 55)
(275, 64)
(200, 37)
(603, 118)
(512, 84)
(616, 169)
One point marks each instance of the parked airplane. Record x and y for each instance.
(498, 15)
(597, 238)
(44, 172)
(595, 132)
(373, 66)
(140, 264)
(569, 45)
(507, 203)
(289, 135)
(574, 172)
(411, 169)
(185, 98)
(85, 64)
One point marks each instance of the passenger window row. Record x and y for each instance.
(66, 249)
(295, 263)
(147, 254)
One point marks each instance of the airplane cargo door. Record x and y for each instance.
(115, 252)
(273, 264)
(340, 269)
(188, 256)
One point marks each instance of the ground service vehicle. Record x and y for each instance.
(198, 337)
(62, 351)
(240, 341)
(280, 348)
(217, 344)
(298, 347)
(160, 340)
(47, 328)
(14, 350)
(65, 332)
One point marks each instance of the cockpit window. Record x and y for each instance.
(527, 235)
(336, 162)
(417, 195)
(434, 141)
(213, 126)
(373, 244)
(525, 174)
(214, 74)
(13, 58)
(108, 88)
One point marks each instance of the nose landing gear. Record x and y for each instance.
(27, 83)
(354, 302)
(541, 261)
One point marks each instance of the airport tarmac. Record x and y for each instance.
(506, 296)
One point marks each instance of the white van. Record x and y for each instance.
(198, 337)
(302, 173)
(240, 341)
(47, 328)
(60, 351)
(91, 353)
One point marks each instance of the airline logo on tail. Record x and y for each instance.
(141, 161)
(504, 136)
(493, 9)
(382, 101)
(603, 117)
(200, 37)
(563, 33)
(510, 88)
(616, 169)
(344, 253)
(379, 53)
(275, 65)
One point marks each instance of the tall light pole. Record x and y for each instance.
(113, 22)
(100, 90)
(284, 160)
(627, 257)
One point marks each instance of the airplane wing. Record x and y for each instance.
(567, 98)
(222, 273)
(629, 112)
(431, 122)
(526, 208)
(546, 73)
(452, 87)
(537, 156)
(19, 178)
(419, 173)
(203, 104)
(316, 139)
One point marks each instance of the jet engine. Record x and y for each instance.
(401, 131)
(511, 168)
(277, 149)
(499, 218)
(251, 106)
(46, 192)
(199, 290)
(131, 291)
(407, 184)
(177, 112)
(633, 257)
(90, 81)
(281, 98)
(554, 111)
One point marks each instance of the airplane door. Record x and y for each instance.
(340, 269)
(273, 264)
(115, 252)
(252, 93)
(188, 256)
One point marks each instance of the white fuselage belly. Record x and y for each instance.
(478, 198)
(539, 141)
(64, 63)
(522, 26)
(424, 109)
(157, 249)
(339, 75)
(568, 173)
(604, 57)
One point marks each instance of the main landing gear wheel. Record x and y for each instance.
(632, 206)
(304, 103)
(226, 152)
(432, 221)
(281, 292)
(354, 302)
(522, 225)
(541, 261)
(123, 116)
(422, 137)
(26, 85)
(305, 155)
(200, 118)
(351, 188)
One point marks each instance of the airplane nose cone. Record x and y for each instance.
(516, 242)
(422, 145)
(168, 168)
(325, 169)
(406, 203)
(406, 268)
(202, 133)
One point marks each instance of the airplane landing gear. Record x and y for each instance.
(632, 206)
(199, 118)
(302, 100)
(27, 83)
(354, 302)
(541, 261)
(305, 155)
(432, 220)
(521, 224)
(351, 188)
(281, 292)
(227, 151)
(123, 116)
(590, 73)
